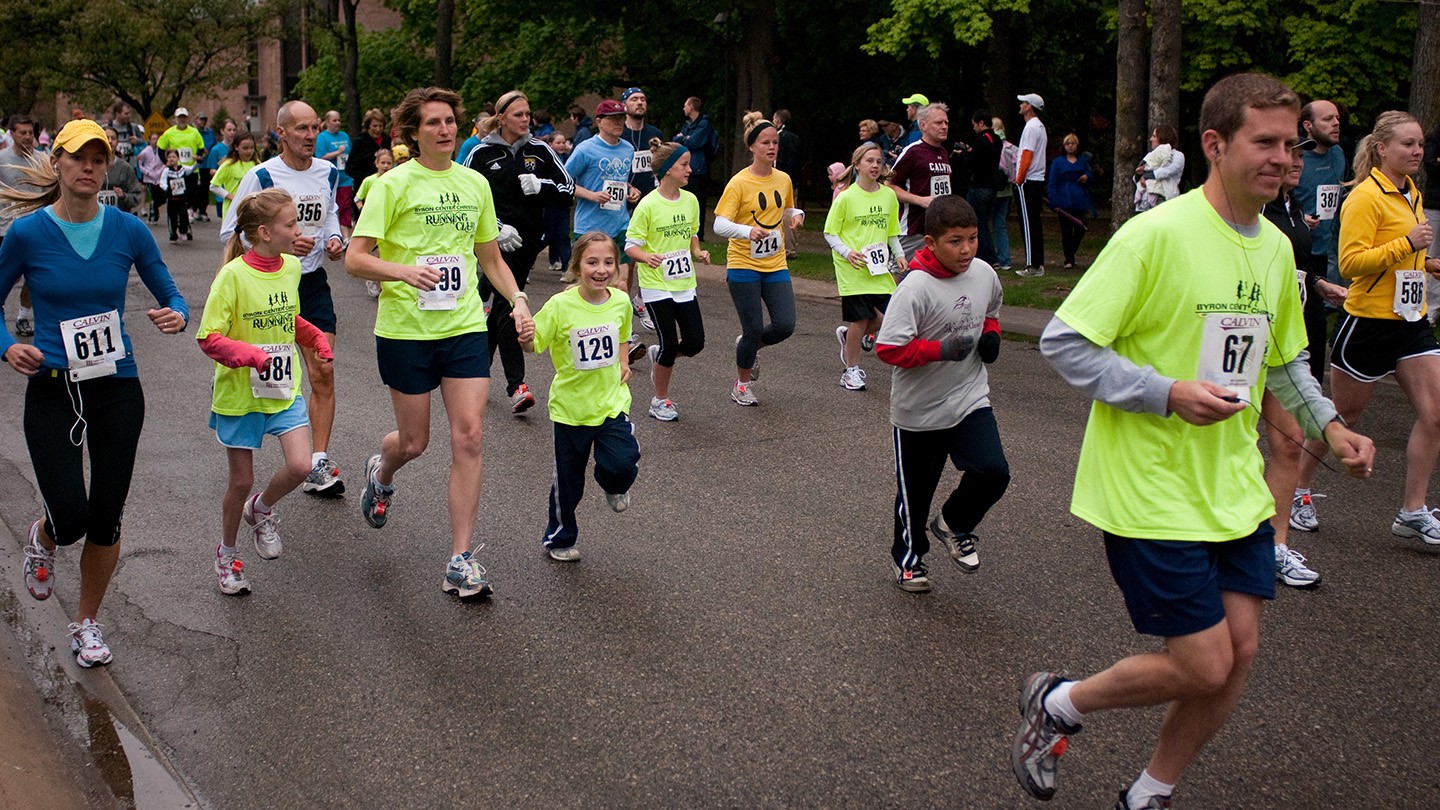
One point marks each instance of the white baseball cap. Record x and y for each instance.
(179, 111)
(1033, 99)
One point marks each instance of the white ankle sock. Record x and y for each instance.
(1058, 704)
(260, 505)
(316, 458)
(1145, 787)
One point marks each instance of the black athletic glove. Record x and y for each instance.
(989, 347)
(956, 347)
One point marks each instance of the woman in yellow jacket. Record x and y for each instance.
(1383, 239)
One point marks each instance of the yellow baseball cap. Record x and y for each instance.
(79, 132)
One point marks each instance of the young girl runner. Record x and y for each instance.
(663, 240)
(586, 328)
(239, 160)
(863, 230)
(250, 327)
(384, 162)
(756, 203)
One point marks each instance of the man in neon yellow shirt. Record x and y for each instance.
(431, 219)
(1172, 332)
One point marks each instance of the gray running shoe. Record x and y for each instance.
(375, 500)
(466, 578)
(24, 327)
(914, 579)
(324, 480)
(267, 529)
(642, 313)
(853, 379)
(1423, 526)
(960, 546)
(742, 394)
(1302, 513)
(1041, 739)
(570, 554)
(1290, 569)
(619, 501)
(664, 410)
(1155, 803)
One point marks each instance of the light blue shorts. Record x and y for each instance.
(245, 432)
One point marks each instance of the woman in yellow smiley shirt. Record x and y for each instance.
(756, 204)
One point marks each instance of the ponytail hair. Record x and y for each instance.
(752, 124)
(491, 123)
(252, 211)
(1367, 152)
(39, 173)
(660, 152)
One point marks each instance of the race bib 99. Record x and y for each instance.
(449, 288)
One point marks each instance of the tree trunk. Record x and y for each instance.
(444, 31)
(753, 59)
(999, 77)
(1164, 63)
(1425, 77)
(1129, 107)
(350, 65)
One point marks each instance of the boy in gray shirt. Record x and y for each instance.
(940, 330)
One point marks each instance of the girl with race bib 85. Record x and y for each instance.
(664, 242)
(863, 231)
(250, 329)
(757, 202)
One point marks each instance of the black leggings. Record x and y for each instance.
(667, 314)
(113, 411)
(501, 326)
(779, 298)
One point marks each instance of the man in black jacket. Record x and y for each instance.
(982, 167)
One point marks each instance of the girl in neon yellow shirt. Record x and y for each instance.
(863, 231)
(239, 160)
(586, 328)
(664, 241)
(250, 328)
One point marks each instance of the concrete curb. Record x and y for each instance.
(92, 709)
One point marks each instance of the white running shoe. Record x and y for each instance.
(1302, 512)
(1290, 569)
(742, 394)
(266, 527)
(372, 289)
(570, 554)
(1421, 525)
(39, 566)
(663, 409)
(88, 644)
(465, 577)
(840, 332)
(853, 379)
(230, 571)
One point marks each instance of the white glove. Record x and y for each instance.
(509, 240)
(529, 185)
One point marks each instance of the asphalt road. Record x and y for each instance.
(735, 638)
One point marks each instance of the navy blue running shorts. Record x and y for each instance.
(855, 308)
(1172, 587)
(316, 304)
(416, 366)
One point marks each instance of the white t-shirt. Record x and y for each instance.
(1034, 139)
(314, 203)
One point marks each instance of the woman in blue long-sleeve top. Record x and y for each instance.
(84, 387)
(1068, 186)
